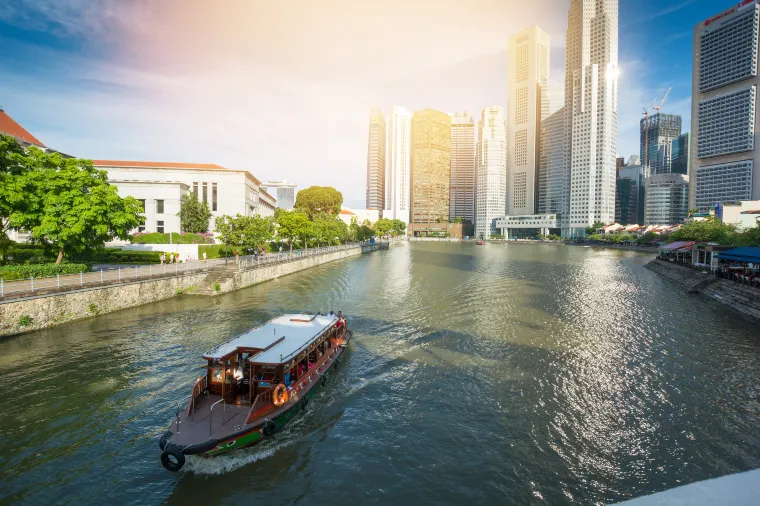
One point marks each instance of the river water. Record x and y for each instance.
(508, 374)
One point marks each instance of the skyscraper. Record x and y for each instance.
(398, 168)
(462, 190)
(591, 102)
(376, 160)
(491, 184)
(724, 108)
(662, 129)
(554, 178)
(431, 172)
(667, 199)
(629, 200)
(679, 155)
(527, 107)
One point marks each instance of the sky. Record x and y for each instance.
(284, 89)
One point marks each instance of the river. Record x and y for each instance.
(503, 374)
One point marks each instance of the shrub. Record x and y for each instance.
(94, 309)
(25, 320)
(17, 255)
(183, 238)
(218, 287)
(120, 256)
(11, 272)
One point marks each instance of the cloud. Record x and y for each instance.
(664, 12)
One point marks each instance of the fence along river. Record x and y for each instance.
(501, 373)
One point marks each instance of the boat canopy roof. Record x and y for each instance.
(277, 340)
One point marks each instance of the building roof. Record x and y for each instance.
(9, 126)
(746, 254)
(678, 245)
(346, 212)
(175, 166)
(280, 339)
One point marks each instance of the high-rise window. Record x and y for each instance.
(213, 196)
(205, 192)
(160, 227)
(159, 207)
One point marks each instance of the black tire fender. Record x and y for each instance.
(172, 459)
(324, 379)
(269, 429)
(304, 403)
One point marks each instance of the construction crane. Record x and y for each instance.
(657, 106)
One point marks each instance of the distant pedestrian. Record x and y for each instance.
(162, 258)
(204, 256)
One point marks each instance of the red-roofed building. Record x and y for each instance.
(8, 126)
(360, 214)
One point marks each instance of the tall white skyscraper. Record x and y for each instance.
(491, 184)
(462, 188)
(591, 103)
(397, 176)
(527, 107)
(376, 160)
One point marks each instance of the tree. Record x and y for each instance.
(457, 219)
(750, 236)
(67, 203)
(292, 226)
(319, 199)
(244, 232)
(328, 229)
(230, 232)
(383, 226)
(193, 214)
(593, 228)
(692, 212)
(709, 230)
(12, 170)
(399, 227)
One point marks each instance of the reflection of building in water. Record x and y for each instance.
(286, 193)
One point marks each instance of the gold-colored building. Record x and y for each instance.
(431, 172)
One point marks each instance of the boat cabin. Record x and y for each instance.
(281, 351)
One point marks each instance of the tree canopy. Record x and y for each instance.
(64, 203)
(383, 226)
(292, 226)
(244, 232)
(319, 199)
(708, 230)
(193, 214)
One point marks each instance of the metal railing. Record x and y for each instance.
(256, 261)
(117, 275)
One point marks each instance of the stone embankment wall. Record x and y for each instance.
(25, 315)
(741, 298)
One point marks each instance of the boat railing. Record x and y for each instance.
(262, 400)
(211, 414)
(199, 387)
(179, 410)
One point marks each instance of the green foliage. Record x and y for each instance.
(498, 236)
(358, 232)
(399, 227)
(218, 287)
(292, 226)
(214, 251)
(176, 238)
(612, 238)
(193, 214)
(11, 272)
(328, 230)
(553, 237)
(593, 228)
(244, 232)
(25, 320)
(119, 256)
(94, 309)
(708, 230)
(383, 226)
(750, 237)
(64, 202)
(457, 219)
(319, 199)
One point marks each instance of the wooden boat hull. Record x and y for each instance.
(256, 433)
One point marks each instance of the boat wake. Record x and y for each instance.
(231, 461)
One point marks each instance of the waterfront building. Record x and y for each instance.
(667, 199)
(399, 166)
(679, 155)
(527, 107)
(376, 160)
(491, 184)
(286, 193)
(361, 215)
(462, 185)
(659, 131)
(630, 195)
(553, 176)
(529, 226)
(160, 185)
(724, 118)
(431, 172)
(591, 102)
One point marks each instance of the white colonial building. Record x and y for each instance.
(160, 186)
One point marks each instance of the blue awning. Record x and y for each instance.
(746, 254)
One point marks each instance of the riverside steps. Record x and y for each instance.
(26, 310)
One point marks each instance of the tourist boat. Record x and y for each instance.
(254, 384)
(480, 243)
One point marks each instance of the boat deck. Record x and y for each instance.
(204, 424)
